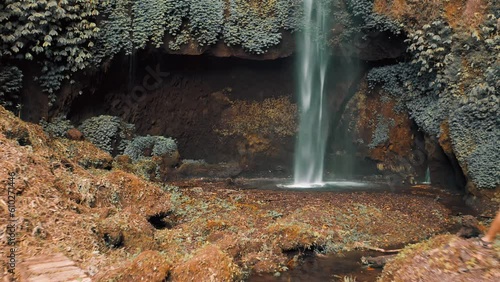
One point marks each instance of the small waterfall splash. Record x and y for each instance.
(313, 58)
(427, 176)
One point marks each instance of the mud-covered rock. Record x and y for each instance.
(74, 134)
(470, 227)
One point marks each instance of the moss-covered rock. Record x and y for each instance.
(450, 85)
(132, 232)
(208, 264)
(383, 133)
(153, 157)
(147, 266)
(264, 130)
(445, 258)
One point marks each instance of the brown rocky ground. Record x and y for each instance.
(118, 227)
(445, 258)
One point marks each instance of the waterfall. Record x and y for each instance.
(312, 64)
(427, 176)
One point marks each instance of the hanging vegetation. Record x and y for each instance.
(59, 35)
(71, 35)
(451, 85)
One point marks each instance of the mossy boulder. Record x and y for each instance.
(383, 134)
(148, 266)
(126, 230)
(208, 264)
(445, 258)
(153, 157)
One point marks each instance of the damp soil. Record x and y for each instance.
(449, 198)
(325, 268)
(335, 267)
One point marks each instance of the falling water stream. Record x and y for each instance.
(427, 179)
(313, 59)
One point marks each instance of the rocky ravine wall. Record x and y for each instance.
(449, 84)
(202, 102)
(447, 81)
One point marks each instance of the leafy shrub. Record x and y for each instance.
(391, 78)
(11, 82)
(255, 26)
(429, 47)
(109, 133)
(68, 36)
(474, 129)
(249, 28)
(357, 17)
(57, 127)
(155, 145)
(206, 20)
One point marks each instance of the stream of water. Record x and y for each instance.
(313, 58)
(427, 176)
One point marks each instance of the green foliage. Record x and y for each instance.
(454, 76)
(257, 29)
(475, 129)
(390, 77)
(60, 35)
(57, 127)
(11, 82)
(430, 46)
(362, 12)
(381, 132)
(70, 35)
(130, 25)
(155, 145)
(206, 20)
(114, 35)
(356, 17)
(109, 133)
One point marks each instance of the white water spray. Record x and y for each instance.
(427, 179)
(313, 58)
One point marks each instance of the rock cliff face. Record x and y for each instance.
(284, 49)
(449, 85)
(182, 68)
(382, 131)
(205, 103)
